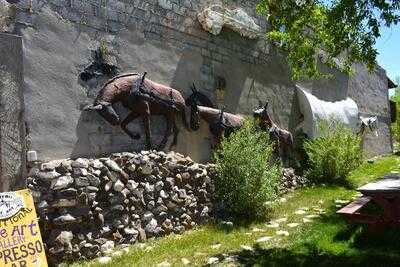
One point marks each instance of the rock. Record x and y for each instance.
(152, 227)
(131, 231)
(185, 261)
(65, 219)
(64, 239)
(131, 185)
(164, 264)
(264, 239)
(146, 169)
(159, 185)
(93, 180)
(50, 166)
(96, 164)
(212, 260)
(282, 233)
(80, 163)
(118, 186)
(107, 247)
(108, 186)
(81, 182)
(61, 182)
(104, 260)
(112, 165)
(48, 176)
(64, 203)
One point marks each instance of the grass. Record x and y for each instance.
(325, 241)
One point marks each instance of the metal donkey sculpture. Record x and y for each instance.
(220, 123)
(143, 98)
(283, 139)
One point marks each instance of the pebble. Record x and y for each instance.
(282, 233)
(273, 225)
(104, 260)
(300, 212)
(212, 260)
(293, 225)
(185, 261)
(216, 246)
(164, 264)
(247, 248)
(264, 239)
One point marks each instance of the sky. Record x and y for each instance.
(388, 46)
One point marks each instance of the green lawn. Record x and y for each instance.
(322, 239)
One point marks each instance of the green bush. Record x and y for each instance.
(334, 154)
(246, 178)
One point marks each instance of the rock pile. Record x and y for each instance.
(89, 206)
(291, 181)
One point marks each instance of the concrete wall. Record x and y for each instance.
(12, 135)
(163, 38)
(370, 91)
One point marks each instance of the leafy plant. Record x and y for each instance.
(311, 30)
(334, 154)
(247, 177)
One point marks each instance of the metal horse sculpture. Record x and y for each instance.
(282, 139)
(143, 98)
(220, 123)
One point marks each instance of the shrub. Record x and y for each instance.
(247, 177)
(334, 154)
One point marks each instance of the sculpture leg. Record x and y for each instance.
(176, 132)
(146, 123)
(166, 135)
(131, 116)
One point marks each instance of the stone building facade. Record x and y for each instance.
(164, 38)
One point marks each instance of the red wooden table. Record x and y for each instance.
(385, 193)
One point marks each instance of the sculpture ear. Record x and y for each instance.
(92, 107)
(266, 105)
(194, 89)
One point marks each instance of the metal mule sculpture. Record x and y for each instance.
(220, 123)
(143, 98)
(283, 139)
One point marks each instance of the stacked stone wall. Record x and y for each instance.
(89, 206)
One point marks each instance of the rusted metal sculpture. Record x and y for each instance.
(220, 123)
(143, 98)
(283, 139)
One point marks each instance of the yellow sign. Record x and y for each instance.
(21, 244)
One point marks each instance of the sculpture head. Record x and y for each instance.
(218, 128)
(261, 115)
(199, 98)
(106, 111)
(370, 124)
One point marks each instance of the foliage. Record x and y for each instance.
(334, 154)
(246, 177)
(308, 30)
(396, 98)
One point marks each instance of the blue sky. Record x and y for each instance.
(388, 46)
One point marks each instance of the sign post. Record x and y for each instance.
(21, 243)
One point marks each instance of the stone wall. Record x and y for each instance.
(164, 38)
(89, 206)
(12, 134)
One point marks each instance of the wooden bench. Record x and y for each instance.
(351, 211)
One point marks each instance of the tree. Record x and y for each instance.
(312, 30)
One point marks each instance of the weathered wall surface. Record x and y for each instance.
(161, 37)
(12, 135)
(370, 91)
